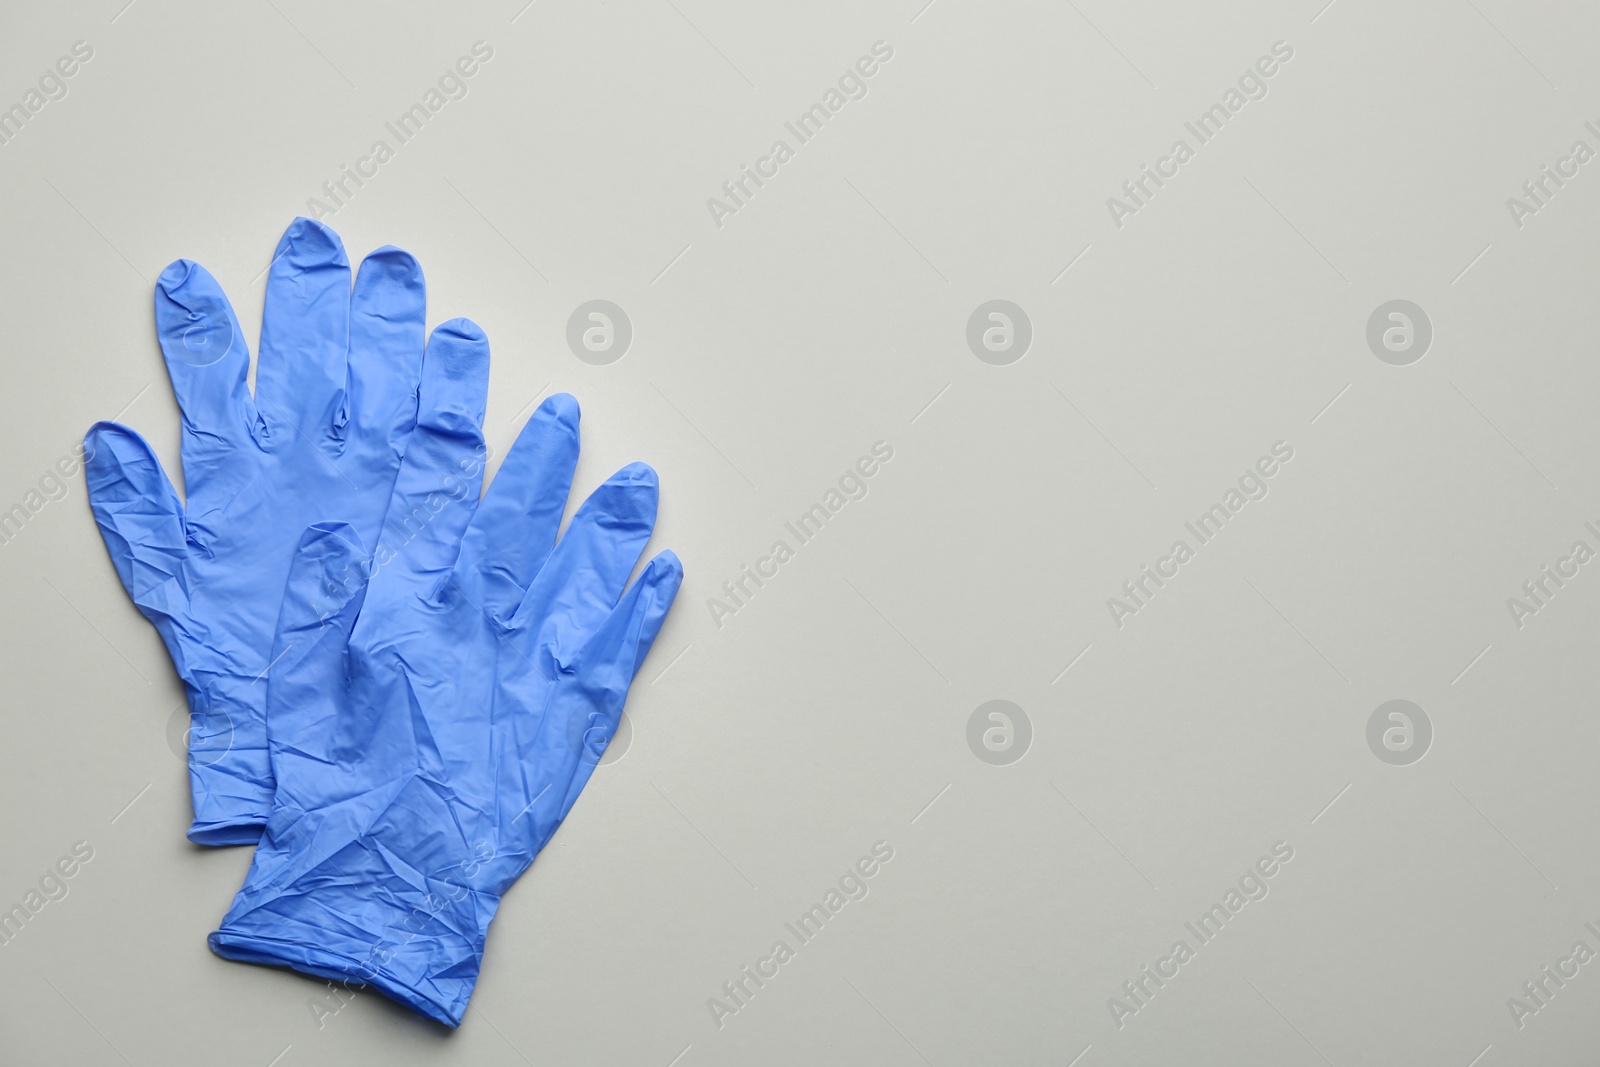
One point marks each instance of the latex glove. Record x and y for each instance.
(430, 728)
(335, 403)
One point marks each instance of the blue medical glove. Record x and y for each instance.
(431, 725)
(321, 440)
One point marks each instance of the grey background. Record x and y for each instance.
(832, 711)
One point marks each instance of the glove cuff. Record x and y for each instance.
(345, 906)
(230, 776)
(353, 963)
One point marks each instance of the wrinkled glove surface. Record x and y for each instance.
(321, 440)
(432, 717)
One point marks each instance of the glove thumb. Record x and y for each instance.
(618, 649)
(141, 522)
(609, 662)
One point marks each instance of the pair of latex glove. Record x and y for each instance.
(396, 691)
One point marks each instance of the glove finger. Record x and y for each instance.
(612, 658)
(208, 360)
(321, 599)
(618, 649)
(386, 341)
(441, 475)
(305, 333)
(579, 585)
(515, 527)
(139, 517)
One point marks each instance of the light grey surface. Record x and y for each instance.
(834, 709)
